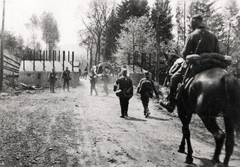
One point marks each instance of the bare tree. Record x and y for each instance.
(98, 14)
(87, 42)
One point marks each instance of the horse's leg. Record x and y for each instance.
(219, 136)
(186, 119)
(181, 148)
(229, 143)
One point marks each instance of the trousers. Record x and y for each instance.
(145, 102)
(93, 88)
(65, 82)
(174, 81)
(124, 105)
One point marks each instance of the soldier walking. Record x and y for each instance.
(125, 89)
(52, 78)
(93, 80)
(145, 89)
(66, 76)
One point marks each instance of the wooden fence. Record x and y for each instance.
(48, 55)
(147, 61)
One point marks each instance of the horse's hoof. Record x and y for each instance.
(216, 161)
(181, 150)
(189, 160)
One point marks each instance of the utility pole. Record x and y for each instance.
(2, 43)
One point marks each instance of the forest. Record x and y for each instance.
(113, 31)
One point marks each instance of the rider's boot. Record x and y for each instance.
(169, 105)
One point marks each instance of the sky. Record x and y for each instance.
(68, 14)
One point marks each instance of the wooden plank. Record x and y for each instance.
(10, 69)
(12, 60)
(10, 64)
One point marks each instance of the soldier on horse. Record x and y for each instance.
(209, 91)
(199, 41)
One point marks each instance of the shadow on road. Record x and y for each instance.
(159, 119)
(207, 162)
(190, 165)
(135, 119)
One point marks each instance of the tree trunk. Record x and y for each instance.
(91, 59)
(96, 57)
(99, 49)
(157, 63)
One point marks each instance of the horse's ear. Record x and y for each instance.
(165, 55)
(176, 51)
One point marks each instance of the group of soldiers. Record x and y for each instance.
(201, 40)
(105, 77)
(52, 78)
(124, 90)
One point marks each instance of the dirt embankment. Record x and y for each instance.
(75, 129)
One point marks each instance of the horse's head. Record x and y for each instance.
(170, 58)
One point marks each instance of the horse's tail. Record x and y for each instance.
(232, 87)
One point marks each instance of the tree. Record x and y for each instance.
(13, 44)
(87, 42)
(136, 36)
(98, 15)
(111, 35)
(130, 8)
(10, 41)
(207, 9)
(162, 23)
(223, 25)
(33, 25)
(231, 31)
(181, 25)
(50, 32)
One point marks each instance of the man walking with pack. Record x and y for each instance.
(66, 78)
(125, 87)
(146, 88)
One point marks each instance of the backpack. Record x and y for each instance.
(146, 88)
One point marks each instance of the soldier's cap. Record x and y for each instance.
(124, 69)
(198, 17)
(146, 72)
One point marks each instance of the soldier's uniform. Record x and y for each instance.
(147, 93)
(66, 78)
(199, 41)
(93, 81)
(52, 80)
(125, 84)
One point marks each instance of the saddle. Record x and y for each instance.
(199, 63)
(205, 61)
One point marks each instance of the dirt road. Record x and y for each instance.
(75, 129)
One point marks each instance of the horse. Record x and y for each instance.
(211, 93)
